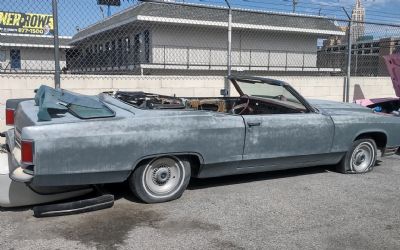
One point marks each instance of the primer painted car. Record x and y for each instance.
(388, 105)
(157, 143)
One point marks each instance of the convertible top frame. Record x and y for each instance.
(254, 79)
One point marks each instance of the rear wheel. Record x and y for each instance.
(160, 179)
(361, 158)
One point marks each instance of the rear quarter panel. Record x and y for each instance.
(101, 151)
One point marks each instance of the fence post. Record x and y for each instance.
(164, 56)
(348, 70)
(209, 60)
(188, 57)
(57, 77)
(229, 39)
(250, 60)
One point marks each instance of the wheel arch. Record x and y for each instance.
(196, 159)
(380, 137)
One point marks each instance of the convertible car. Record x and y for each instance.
(157, 143)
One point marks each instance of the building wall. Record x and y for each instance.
(182, 47)
(207, 46)
(33, 59)
(367, 56)
(278, 44)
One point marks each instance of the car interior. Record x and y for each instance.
(388, 107)
(244, 105)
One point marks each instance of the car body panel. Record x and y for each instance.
(268, 164)
(113, 147)
(72, 151)
(16, 194)
(287, 135)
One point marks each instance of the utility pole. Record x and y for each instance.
(229, 37)
(225, 91)
(346, 89)
(57, 76)
(229, 50)
(294, 3)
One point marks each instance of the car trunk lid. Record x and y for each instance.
(54, 106)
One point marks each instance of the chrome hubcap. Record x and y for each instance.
(362, 157)
(163, 176)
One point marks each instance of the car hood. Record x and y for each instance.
(331, 106)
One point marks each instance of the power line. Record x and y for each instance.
(325, 5)
(327, 9)
(348, 6)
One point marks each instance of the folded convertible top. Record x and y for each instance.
(58, 101)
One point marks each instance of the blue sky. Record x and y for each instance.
(75, 14)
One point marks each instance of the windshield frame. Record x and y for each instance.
(252, 80)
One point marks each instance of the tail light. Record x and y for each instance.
(27, 151)
(9, 116)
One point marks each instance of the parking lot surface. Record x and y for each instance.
(313, 208)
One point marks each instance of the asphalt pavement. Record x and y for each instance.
(312, 208)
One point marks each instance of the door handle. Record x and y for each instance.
(253, 124)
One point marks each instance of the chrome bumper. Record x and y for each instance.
(15, 168)
(15, 189)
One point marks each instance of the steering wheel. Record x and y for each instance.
(244, 106)
(280, 97)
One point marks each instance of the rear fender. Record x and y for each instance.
(148, 157)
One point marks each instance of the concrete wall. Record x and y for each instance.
(329, 88)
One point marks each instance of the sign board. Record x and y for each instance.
(26, 23)
(109, 2)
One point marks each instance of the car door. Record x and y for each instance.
(287, 135)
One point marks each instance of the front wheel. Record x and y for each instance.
(161, 179)
(361, 158)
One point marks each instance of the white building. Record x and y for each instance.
(165, 38)
(358, 16)
(29, 53)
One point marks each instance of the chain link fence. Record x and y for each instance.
(181, 39)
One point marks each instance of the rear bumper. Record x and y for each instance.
(19, 175)
(15, 169)
(15, 189)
